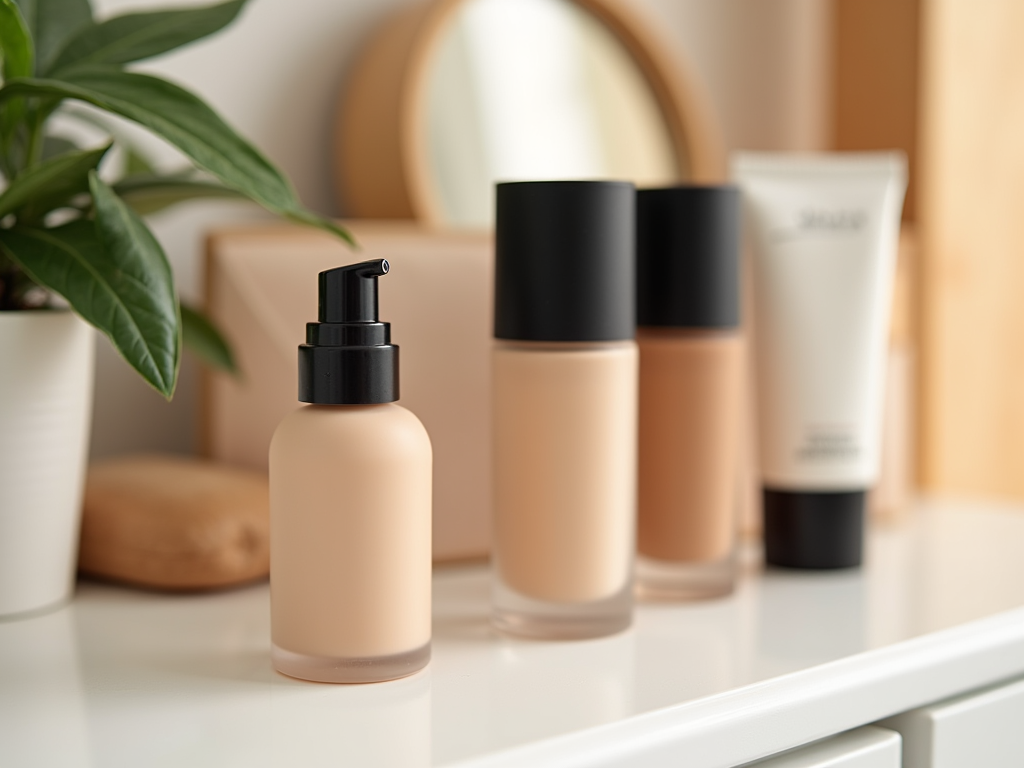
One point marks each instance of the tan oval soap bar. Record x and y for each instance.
(173, 522)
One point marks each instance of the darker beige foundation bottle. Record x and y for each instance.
(350, 502)
(565, 400)
(691, 361)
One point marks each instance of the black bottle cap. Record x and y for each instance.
(348, 357)
(687, 252)
(564, 266)
(814, 529)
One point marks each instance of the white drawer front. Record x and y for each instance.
(867, 747)
(981, 729)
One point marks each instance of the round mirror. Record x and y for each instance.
(455, 95)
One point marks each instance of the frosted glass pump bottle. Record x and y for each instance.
(350, 496)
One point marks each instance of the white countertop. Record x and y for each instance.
(127, 678)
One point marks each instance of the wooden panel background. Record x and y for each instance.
(944, 80)
(971, 226)
(875, 80)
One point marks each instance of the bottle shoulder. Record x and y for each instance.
(366, 428)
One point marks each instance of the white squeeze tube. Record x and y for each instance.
(822, 233)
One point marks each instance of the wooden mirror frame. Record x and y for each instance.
(381, 165)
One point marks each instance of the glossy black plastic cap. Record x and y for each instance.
(564, 267)
(348, 357)
(688, 257)
(814, 529)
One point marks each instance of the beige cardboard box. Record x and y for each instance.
(262, 290)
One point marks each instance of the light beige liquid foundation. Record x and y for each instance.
(564, 499)
(350, 502)
(691, 373)
(565, 409)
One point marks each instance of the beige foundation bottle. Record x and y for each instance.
(350, 502)
(691, 361)
(565, 399)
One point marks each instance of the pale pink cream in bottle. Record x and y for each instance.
(350, 502)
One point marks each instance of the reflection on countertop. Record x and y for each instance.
(129, 678)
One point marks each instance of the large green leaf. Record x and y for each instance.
(186, 122)
(131, 246)
(117, 283)
(15, 41)
(202, 337)
(137, 36)
(51, 23)
(148, 194)
(52, 182)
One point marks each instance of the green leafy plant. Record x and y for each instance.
(66, 231)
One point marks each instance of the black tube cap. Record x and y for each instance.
(814, 529)
(688, 263)
(564, 266)
(348, 357)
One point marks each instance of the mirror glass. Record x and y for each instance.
(536, 89)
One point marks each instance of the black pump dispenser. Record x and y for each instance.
(348, 357)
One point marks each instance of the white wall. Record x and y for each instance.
(275, 75)
(762, 63)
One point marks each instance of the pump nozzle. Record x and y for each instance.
(349, 294)
(348, 357)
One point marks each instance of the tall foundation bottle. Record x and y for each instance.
(565, 399)
(691, 361)
(350, 496)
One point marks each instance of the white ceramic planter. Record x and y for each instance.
(46, 379)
